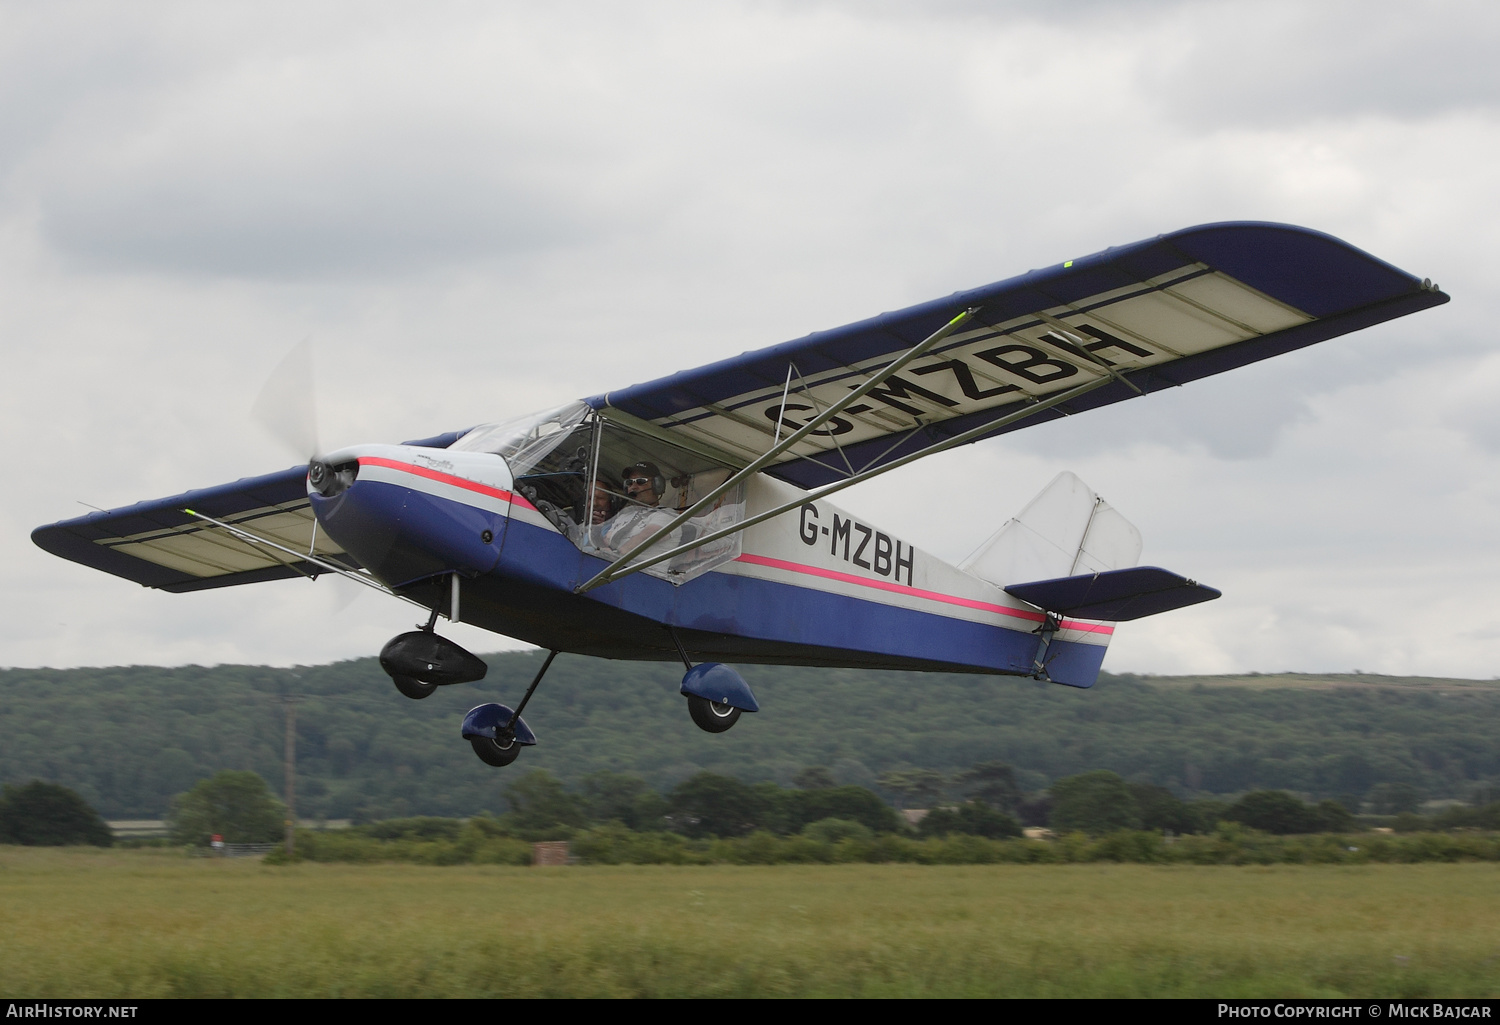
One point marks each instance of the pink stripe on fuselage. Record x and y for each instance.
(447, 478)
(917, 592)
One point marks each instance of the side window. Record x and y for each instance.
(554, 477)
(639, 485)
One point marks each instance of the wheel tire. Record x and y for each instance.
(711, 716)
(495, 752)
(413, 688)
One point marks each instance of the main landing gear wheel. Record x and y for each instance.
(413, 688)
(711, 715)
(498, 753)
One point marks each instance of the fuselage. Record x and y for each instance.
(814, 586)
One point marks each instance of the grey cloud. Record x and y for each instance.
(308, 155)
(291, 195)
(280, 226)
(1213, 64)
(1283, 64)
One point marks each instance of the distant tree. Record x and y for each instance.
(1095, 803)
(1205, 814)
(1161, 810)
(423, 827)
(992, 784)
(712, 805)
(1277, 811)
(1332, 817)
(1406, 822)
(622, 797)
(814, 777)
(49, 815)
(798, 808)
(1458, 817)
(920, 788)
(236, 805)
(971, 818)
(1035, 810)
(834, 830)
(539, 802)
(1350, 773)
(1395, 798)
(1274, 811)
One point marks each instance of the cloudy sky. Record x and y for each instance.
(479, 209)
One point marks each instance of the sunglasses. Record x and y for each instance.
(636, 480)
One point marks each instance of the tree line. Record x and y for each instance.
(130, 738)
(239, 807)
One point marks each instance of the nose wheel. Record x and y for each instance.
(412, 687)
(419, 662)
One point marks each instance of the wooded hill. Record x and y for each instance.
(130, 738)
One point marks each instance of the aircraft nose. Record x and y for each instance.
(402, 533)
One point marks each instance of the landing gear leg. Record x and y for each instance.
(1047, 630)
(410, 686)
(496, 733)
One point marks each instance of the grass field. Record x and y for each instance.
(87, 923)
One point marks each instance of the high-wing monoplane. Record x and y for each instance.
(689, 518)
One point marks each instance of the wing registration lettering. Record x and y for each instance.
(1154, 314)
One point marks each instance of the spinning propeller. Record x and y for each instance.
(287, 405)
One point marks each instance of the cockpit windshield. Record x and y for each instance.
(608, 489)
(526, 440)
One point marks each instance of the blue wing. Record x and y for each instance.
(159, 544)
(1160, 313)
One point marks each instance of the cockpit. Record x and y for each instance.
(573, 465)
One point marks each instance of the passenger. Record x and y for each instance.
(604, 503)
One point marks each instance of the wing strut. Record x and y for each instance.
(332, 567)
(617, 570)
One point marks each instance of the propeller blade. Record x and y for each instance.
(287, 404)
(346, 592)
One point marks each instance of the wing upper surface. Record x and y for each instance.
(1160, 313)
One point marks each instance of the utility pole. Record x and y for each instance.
(291, 774)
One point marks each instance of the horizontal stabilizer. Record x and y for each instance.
(1115, 596)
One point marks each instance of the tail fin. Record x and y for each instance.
(1071, 554)
(1065, 531)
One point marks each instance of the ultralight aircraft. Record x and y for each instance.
(688, 518)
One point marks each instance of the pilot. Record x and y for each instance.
(642, 515)
(643, 483)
